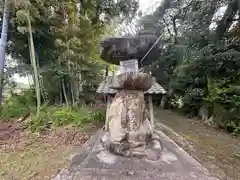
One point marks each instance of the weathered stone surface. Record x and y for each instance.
(209, 121)
(129, 130)
(203, 113)
(132, 81)
(163, 101)
(173, 164)
(115, 50)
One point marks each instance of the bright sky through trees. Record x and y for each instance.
(148, 6)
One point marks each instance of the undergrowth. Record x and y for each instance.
(62, 116)
(18, 105)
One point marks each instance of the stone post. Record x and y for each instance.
(151, 109)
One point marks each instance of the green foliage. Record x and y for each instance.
(17, 105)
(66, 40)
(234, 127)
(62, 116)
(65, 116)
(225, 105)
(40, 123)
(98, 115)
(199, 63)
(217, 91)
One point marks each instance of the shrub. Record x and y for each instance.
(39, 124)
(98, 115)
(226, 106)
(17, 105)
(233, 127)
(62, 116)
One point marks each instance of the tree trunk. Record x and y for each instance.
(64, 93)
(106, 71)
(60, 101)
(72, 93)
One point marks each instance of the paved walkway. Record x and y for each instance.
(94, 163)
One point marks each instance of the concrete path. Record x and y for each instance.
(94, 163)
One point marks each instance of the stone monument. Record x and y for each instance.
(129, 148)
(129, 132)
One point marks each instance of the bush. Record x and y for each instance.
(98, 115)
(62, 116)
(226, 106)
(41, 123)
(65, 116)
(17, 105)
(234, 127)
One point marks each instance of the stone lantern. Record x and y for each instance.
(129, 124)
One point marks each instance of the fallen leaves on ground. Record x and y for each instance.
(25, 156)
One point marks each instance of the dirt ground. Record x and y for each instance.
(27, 156)
(215, 149)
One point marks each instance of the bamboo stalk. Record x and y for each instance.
(34, 65)
(64, 93)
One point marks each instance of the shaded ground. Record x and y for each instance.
(215, 149)
(31, 156)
